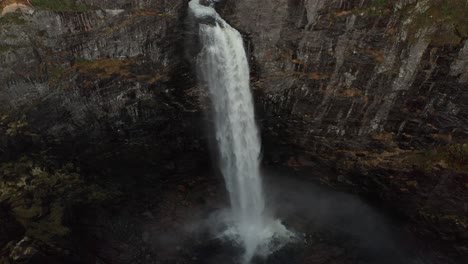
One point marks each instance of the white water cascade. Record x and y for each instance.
(223, 66)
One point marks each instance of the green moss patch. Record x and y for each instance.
(61, 5)
(106, 69)
(38, 192)
(453, 157)
(449, 17)
(12, 19)
(4, 48)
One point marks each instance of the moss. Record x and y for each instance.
(456, 13)
(8, 48)
(433, 216)
(37, 192)
(452, 157)
(143, 13)
(5, 48)
(149, 103)
(135, 16)
(150, 79)
(12, 19)
(61, 5)
(12, 127)
(4, 260)
(380, 3)
(59, 75)
(56, 73)
(104, 68)
(374, 8)
(50, 226)
(16, 127)
(97, 195)
(12, 36)
(24, 212)
(449, 17)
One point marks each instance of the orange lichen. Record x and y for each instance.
(392, 31)
(351, 92)
(378, 54)
(343, 13)
(317, 76)
(445, 137)
(289, 56)
(386, 136)
(104, 68)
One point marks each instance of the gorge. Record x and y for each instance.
(361, 106)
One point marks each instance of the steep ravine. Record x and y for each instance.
(101, 121)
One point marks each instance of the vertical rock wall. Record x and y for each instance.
(356, 68)
(375, 90)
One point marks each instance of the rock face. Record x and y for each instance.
(101, 86)
(357, 68)
(374, 90)
(95, 71)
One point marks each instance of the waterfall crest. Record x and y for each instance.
(223, 67)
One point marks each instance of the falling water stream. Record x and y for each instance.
(223, 66)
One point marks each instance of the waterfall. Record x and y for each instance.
(223, 66)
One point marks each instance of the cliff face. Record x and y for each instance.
(338, 70)
(95, 71)
(374, 90)
(356, 68)
(96, 101)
